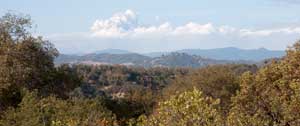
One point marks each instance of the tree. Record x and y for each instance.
(218, 81)
(272, 96)
(52, 111)
(187, 109)
(24, 58)
(26, 61)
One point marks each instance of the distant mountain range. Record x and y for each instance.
(174, 59)
(112, 51)
(103, 58)
(229, 53)
(180, 58)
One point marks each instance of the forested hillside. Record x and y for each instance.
(228, 53)
(36, 92)
(174, 59)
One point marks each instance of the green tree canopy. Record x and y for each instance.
(218, 81)
(26, 61)
(272, 96)
(52, 111)
(187, 109)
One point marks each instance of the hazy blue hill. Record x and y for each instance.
(229, 53)
(63, 58)
(181, 58)
(129, 58)
(156, 54)
(176, 59)
(232, 53)
(112, 51)
(105, 58)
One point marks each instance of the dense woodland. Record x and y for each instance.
(35, 92)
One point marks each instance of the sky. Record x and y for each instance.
(77, 26)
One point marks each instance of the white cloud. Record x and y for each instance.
(194, 28)
(126, 25)
(287, 1)
(269, 32)
(227, 29)
(161, 29)
(116, 26)
(123, 31)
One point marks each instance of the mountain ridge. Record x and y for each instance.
(228, 53)
(180, 58)
(112, 51)
(174, 59)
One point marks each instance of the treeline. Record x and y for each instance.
(35, 92)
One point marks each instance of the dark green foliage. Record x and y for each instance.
(64, 80)
(27, 62)
(270, 97)
(52, 111)
(186, 109)
(154, 78)
(218, 81)
(136, 101)
(130, 92)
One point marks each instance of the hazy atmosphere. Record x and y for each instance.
(169, 25)
(149, 63)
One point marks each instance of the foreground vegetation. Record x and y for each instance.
(33, 92)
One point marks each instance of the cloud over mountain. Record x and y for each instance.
(125, 24)
(118, 25)
(125, 31)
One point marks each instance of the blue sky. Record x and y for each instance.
(77, 26)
